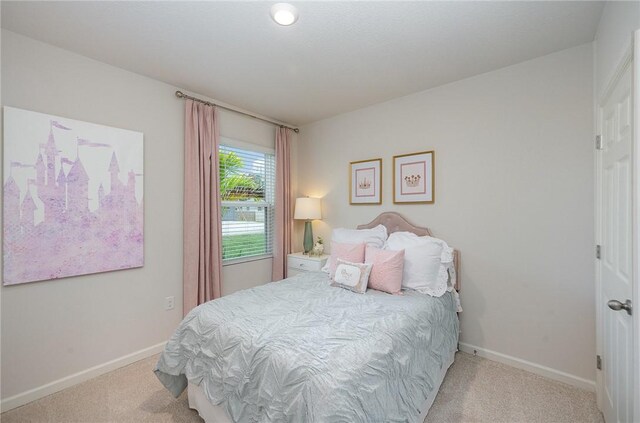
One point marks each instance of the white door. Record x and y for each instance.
(616, 121)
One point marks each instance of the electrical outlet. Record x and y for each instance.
(169, 303)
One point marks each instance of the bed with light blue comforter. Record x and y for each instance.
(300, 350)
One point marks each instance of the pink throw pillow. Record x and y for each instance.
(386, 274)
(353, 253)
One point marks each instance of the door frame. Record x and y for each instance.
(629, 59)
(635, 219)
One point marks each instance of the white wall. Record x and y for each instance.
(54, 329)
(514, 193)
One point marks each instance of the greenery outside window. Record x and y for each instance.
(247, 191)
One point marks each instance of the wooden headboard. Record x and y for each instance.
(394, 222)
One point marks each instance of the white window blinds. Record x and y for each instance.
(247, 189)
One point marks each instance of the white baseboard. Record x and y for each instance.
(58, 385)
(538, 369)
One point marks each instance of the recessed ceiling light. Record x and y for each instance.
(284, 13)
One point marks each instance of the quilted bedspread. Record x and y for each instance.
(300, 350)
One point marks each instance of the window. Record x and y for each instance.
(247, 192)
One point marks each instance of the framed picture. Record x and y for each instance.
(365, 182)
(414, 178)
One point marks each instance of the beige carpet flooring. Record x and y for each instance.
(474, 390)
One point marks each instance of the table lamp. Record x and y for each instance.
(307, 209)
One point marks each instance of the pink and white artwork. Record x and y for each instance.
(413, 178)
(73, 197)
(365, 184)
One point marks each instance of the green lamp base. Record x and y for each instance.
(308, 237)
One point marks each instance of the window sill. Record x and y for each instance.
(241, 260)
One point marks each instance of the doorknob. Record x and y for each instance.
(617, 306)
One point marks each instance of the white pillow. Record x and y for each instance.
(374, 237)
(427, 261)
(352, 276)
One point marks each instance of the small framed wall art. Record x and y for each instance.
(365, 181)
(414, 178)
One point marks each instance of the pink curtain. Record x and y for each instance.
(202, 272)
(284, 204)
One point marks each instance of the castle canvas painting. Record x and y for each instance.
(73, 197)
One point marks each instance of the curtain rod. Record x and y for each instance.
(180, 94)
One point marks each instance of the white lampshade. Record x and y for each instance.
(308, 209)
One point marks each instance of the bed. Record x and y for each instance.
(300, 350)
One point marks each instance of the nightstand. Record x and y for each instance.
(300, 263)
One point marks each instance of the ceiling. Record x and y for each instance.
(339, 56)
